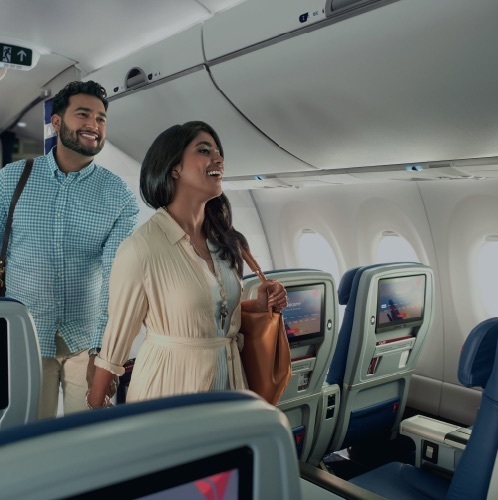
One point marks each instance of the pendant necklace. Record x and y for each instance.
(223, 307)
(223, 295)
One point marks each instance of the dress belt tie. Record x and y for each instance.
(233, 343)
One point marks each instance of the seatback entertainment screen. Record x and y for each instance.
(225, 476)
(401, 302)
(304, 314)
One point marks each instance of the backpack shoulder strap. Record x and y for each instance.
(17, 192)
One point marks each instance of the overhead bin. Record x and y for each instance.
(390, 85)
(341, 85)
(257, 21)
(172, 56)
(136, 119)
(168, 83)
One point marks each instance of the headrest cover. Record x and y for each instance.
(8, 299)
(344, 290)
(478, 354)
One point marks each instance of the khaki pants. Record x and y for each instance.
(66, 370)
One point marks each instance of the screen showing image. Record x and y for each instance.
(303, 316)
(400, 302)
(222, 486)
(225, 476)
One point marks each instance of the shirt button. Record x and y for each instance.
(59, 275)
(229, 358)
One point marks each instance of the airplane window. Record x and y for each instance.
(314, 252)
(487, 276)
(394, 248)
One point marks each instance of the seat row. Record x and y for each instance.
(347, 384)
(350, 384)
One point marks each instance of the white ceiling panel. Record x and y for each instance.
(96, 32)
(219, 5)
(418, 77)
(89, 34)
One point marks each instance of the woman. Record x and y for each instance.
(180, 274)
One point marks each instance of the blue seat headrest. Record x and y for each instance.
(344, 290)
(478, 354)
(8, 299)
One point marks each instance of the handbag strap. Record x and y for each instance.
(17, 193)
(252, 263)
(256, 269)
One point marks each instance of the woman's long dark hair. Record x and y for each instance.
(157, 188)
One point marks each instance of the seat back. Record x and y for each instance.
(311, 320)
(476, 474)
(478, 367)
(228, 444)
(20, 365)
(389, 310)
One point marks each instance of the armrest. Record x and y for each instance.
(458, 438)
(335, 484)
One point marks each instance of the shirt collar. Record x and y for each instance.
(173, 231)
(54, 167)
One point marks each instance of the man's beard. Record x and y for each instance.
(69, 139)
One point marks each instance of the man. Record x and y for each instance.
(68, 223)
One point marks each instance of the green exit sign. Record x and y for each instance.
(15, 56)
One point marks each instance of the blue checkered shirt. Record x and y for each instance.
(65, 232)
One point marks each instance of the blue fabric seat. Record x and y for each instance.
(20, 365)
(478, 367)
(373, 391)
(228, 444)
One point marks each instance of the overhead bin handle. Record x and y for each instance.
(135, 78)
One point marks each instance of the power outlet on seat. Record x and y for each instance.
(430, 451)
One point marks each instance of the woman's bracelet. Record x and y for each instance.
(107, 402)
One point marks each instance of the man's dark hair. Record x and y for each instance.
(61, 99)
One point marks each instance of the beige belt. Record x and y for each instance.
(233, 343)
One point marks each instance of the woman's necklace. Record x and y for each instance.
(223, 307)
(223, 295)
(223, 304)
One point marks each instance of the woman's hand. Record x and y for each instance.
(101, 389)
(271, 293)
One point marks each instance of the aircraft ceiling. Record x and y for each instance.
(410, 82)
(87, 35)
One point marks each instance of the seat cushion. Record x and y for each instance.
(398, 481)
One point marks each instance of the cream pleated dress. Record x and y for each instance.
(157, 279)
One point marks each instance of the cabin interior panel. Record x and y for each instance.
(407, 209)
(373, 79)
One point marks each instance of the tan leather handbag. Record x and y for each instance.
(266, 354)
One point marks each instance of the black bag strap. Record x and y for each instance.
(17, 192)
